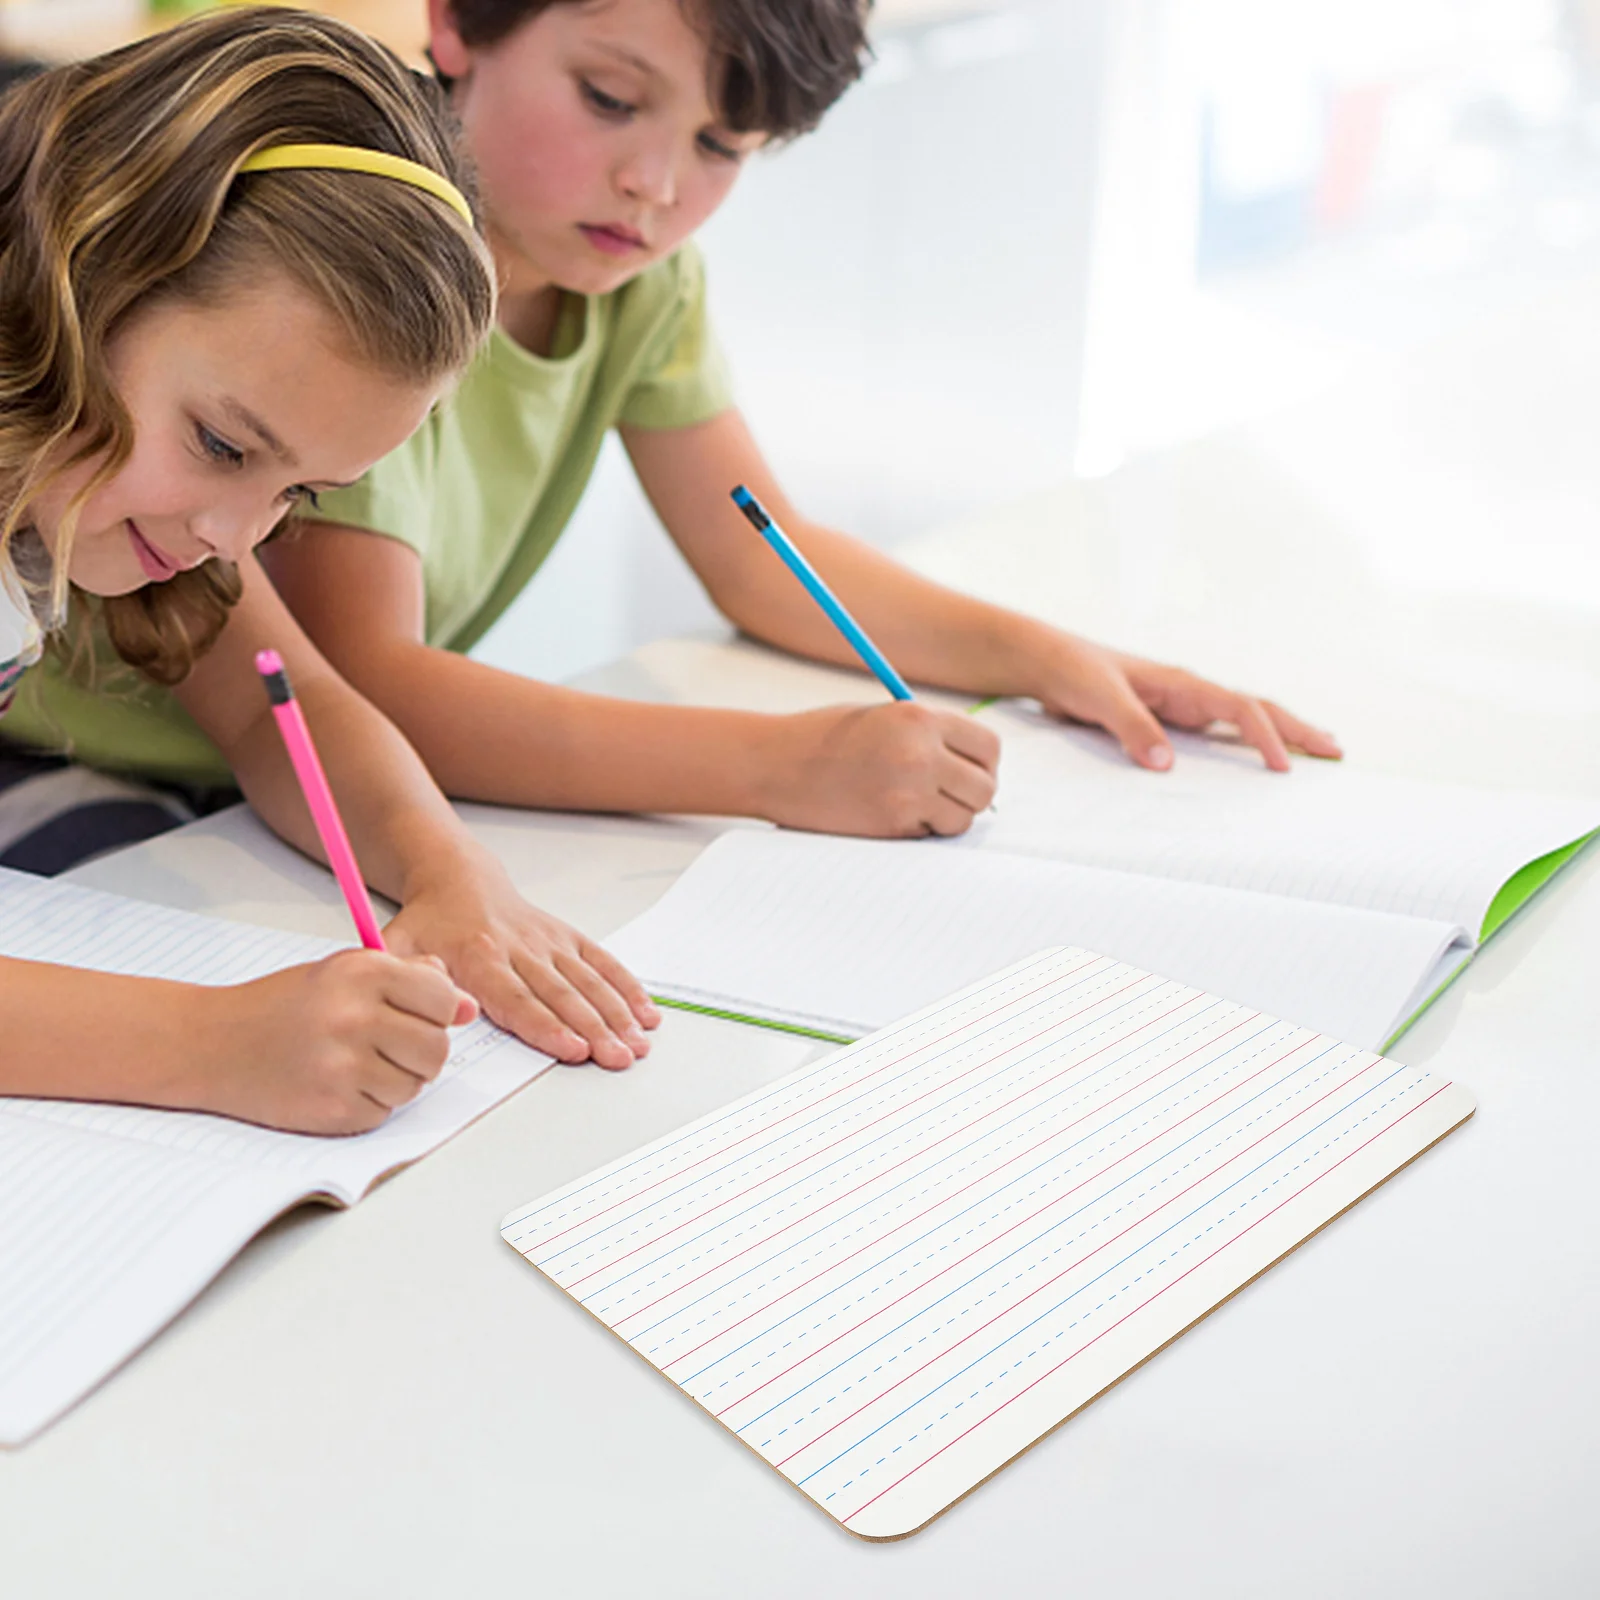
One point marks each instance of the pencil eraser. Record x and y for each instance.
(274, 675)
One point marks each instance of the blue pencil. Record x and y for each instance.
(769, 530)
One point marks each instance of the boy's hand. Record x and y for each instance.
(333, 1047)
(1131, 698)
(532, 974)
(899, 770)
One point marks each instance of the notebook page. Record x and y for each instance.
(844, 935)
(113, 1217)
(1326, 831)
(102, 1241)
(44, 920)
(894, 1270)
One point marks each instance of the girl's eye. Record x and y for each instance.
(606, 104)
(299, 494)
(714, 146)
(217, 448)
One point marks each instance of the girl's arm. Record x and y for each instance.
(532, 974)
(932, 634)
(328, 1048)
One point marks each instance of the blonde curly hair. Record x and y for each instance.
(120, 185)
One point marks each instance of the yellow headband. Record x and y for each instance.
(353, 158)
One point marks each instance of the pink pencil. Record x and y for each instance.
(319, 797)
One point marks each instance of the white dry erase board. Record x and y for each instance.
(896, 1269)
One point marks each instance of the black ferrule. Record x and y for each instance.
(278, 690)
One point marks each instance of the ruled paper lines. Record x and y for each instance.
(847, 1267)
(850, 1516)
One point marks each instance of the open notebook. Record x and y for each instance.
(1339, 898)
(891, 1272)
(836, 937)
(112, 1218)
(1343, 898)
(1328, 831)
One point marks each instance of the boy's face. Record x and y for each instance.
(597, 147)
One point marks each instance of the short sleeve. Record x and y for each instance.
(686, 379)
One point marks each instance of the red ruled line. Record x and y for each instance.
(812, 1105)
(1032, 1216)
(916, 1154)
(1271, 1133)
(1226, 1244)
(987, 1173)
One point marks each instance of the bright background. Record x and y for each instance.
(1349, 247)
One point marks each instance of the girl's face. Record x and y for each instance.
(239, 410)
(597, 147)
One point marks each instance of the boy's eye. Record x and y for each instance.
(714, 146)
(607, 104)
(299, 494)
(218, 448)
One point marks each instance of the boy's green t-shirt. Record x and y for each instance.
(481, 492)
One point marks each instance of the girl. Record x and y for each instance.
(606, 132)
(236, 268)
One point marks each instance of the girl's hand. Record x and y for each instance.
(1131, 698)
(894, 771)
(329, 1048)
(532, 974)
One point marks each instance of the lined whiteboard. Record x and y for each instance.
(894, 1270)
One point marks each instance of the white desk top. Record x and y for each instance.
(389, 1402)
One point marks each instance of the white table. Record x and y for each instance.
(389, 1402)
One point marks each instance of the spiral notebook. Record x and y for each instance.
(893, 1271)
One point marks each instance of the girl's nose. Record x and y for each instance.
(232, 532)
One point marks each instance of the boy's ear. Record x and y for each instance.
(446, 48)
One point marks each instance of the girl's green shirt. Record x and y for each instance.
(481, 492)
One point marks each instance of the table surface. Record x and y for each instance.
(390, 1402)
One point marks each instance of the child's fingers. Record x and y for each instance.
(603, 998)
(511, 1003)
(388, 1084)
(971, 739)
(417, 1048)
(1257, 728)
(947, 817)
(1125, 716)
(423, 987)
(632, 991)
(966, 783)
(548, 989)
(1314, 741)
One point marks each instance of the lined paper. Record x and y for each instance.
(1327, 831)
(894, 1270)
(112, 1218)
(845, 935)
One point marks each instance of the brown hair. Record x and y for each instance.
(776, 65)
(119, 185)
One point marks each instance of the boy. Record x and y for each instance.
(605, 133)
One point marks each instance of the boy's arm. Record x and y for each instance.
(495, 736)
(532, 974)
(932, 634)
